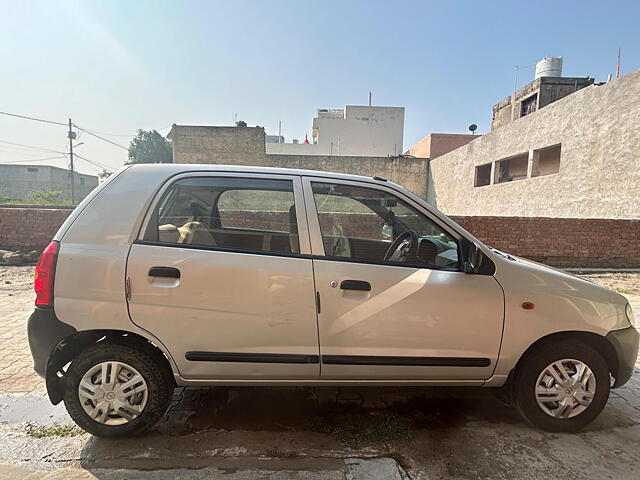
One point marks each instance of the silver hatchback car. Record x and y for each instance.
(204, 275)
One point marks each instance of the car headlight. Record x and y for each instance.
(629, 312)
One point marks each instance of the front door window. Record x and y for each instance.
(370, 225)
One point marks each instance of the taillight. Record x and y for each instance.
(45, 275)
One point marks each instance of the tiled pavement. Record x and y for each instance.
(16, 367)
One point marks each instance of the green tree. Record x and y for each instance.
(148, 146)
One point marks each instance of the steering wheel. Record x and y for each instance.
(403, 247)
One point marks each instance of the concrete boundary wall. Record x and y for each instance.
(409, 172)
(562, 242)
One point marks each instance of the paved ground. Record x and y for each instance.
(16, 303)
(305, 433)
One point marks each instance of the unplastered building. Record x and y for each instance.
(364, 142)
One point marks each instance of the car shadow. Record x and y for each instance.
(265, 418)
(224, 423)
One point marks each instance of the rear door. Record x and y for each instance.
(222, 276)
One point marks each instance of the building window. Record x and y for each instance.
(81, 180)
(529, 105)
(511, 169)
(546, 161)
(483, 175)
(32, 169)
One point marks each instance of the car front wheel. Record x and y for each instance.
(562, 387)
(116, 390)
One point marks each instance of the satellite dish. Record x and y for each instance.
(473, 127)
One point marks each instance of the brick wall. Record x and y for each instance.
(563, 242)
(29, 228)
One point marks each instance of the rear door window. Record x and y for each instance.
(229, 213)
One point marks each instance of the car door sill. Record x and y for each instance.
(318, 382)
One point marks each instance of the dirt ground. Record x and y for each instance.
(625, 283)
(307, 433)
(16, 279)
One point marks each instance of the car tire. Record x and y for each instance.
(128, 361)
(536, 388)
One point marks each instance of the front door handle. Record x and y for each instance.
(168, 272)
(359, 285)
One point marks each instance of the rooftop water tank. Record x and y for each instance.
(549, 67)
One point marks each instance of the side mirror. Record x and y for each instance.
(474, 259)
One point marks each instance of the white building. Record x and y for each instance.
(274, 139)
(352, 131)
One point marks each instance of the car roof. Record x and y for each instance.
(176, 168)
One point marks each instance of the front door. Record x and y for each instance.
(394, 301)
(222, 277)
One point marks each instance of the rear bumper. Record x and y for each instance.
(625, 343)
(45, 331)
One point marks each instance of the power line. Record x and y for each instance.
(7, 149)
(22, 152)
(30, 146)
(91, 164)
(95, 134)
(32, 118)
(94, 162)
(129, 135)
(33, 160)
(114, 134)
(101, 138)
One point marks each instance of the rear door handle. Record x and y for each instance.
(168, 272)
(360, 285)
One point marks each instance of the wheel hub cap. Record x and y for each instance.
(113, 393)
(565, 388)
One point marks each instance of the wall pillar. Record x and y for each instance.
(532, 164)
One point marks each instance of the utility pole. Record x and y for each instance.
(72, 135)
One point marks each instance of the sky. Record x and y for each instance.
(116, 66)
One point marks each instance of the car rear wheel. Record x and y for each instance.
(116, 390)
(562, 387)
